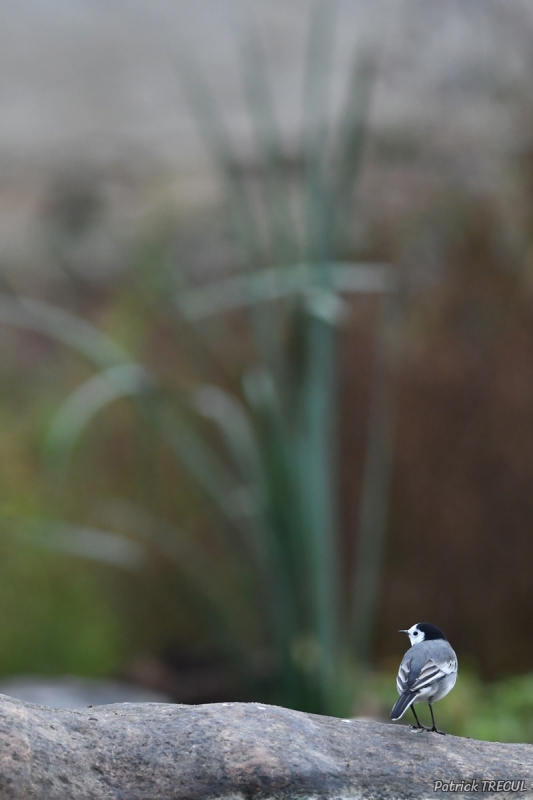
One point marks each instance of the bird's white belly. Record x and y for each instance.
(438, 690)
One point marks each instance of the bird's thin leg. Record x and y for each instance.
(418, 723)
(434, 728)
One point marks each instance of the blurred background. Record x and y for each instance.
(266, 353)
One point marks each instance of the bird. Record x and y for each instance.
(427, 673)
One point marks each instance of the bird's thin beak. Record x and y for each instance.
(403, 631)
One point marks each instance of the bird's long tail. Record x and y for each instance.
(402, 704)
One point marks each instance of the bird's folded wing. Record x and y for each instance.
(432, 672)
(403, 677)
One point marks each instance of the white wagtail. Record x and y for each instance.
(427, 673)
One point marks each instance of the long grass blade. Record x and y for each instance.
(348, 154)
(236, 429)
(315, 128)
(214, 133)
(316, 446)
(279, 282)
(232, 420)
(75, 413)
(266, 466)
(80, 540)
(246, 229)
(63, 326)
(284, 248)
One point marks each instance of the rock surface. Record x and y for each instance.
(234, 750)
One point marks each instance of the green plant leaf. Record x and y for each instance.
(231, 418)
(79, 540)
(278, 282)
(86, 401)
(63, 326)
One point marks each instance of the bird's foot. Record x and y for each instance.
(419, 728)
(434, 729)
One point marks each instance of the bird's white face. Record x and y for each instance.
(415, 635)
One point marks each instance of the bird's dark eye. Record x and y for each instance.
(415, 633)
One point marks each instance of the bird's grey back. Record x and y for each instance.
(437, 649)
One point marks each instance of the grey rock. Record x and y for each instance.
(233, 750)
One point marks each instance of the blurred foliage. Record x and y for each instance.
(56, 617)
(501, 711)
(264, 568)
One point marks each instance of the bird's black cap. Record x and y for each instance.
(431, 631)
